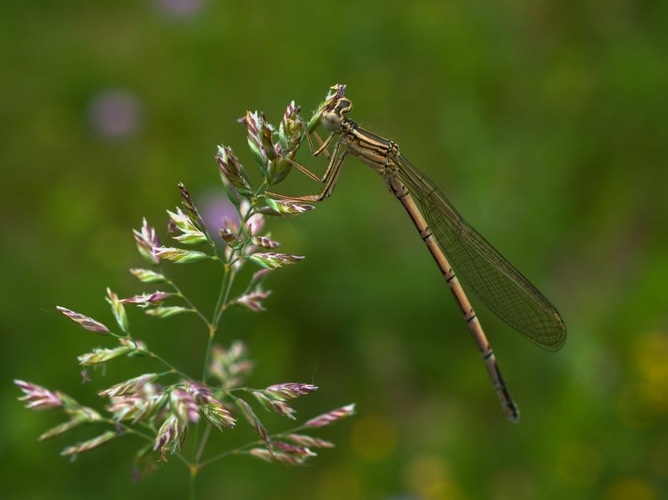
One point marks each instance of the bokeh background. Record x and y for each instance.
(544, 122)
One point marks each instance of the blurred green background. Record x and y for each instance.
(545, 123)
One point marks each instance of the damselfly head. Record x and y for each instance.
(334, 114)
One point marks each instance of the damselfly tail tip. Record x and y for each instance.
(513, 414)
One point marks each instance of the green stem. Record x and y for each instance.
(171, 367)
(217, 313)
(187, 301)
(207, 354)
(193, 469)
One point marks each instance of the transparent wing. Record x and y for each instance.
(500, 286)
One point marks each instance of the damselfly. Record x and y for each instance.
(449, 238)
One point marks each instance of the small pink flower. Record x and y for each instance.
(38, 397)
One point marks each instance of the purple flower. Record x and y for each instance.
(116, 113)
(38, 397)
